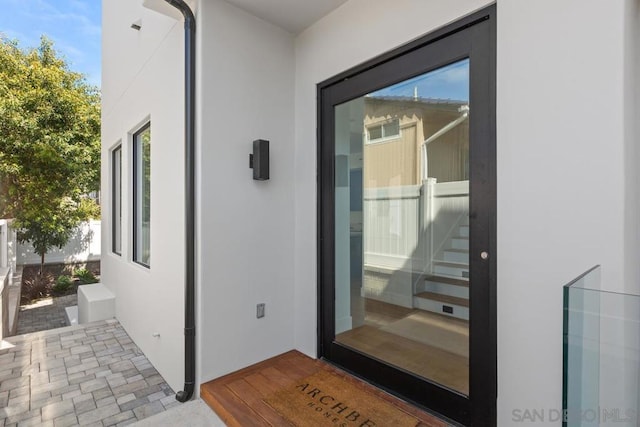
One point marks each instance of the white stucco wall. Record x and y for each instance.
(560, 158)
(567, 194)
(143, 80)
(245, 227)
(632, 139)
(555, 224)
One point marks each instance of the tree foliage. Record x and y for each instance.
(49, 144)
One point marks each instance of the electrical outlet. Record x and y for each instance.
(260, 310)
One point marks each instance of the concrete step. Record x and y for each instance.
(464, 230)
(457, 255)
(451, 269)
(72, 315)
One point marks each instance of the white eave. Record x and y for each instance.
(291, 15)
(161, 6)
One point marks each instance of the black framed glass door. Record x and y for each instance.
(407, 220)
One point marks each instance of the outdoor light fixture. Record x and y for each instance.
(137, 25)
(259, 160)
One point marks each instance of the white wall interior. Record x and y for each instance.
(246, 74)
(560, 159)
(143, 79)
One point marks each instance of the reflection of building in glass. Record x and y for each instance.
(406, 205)
(398, 128)
(413, 180)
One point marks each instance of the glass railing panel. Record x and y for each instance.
(581, 347)
(601, 354)
(619, 359)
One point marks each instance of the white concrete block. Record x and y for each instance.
(95, 302)
(72, 315)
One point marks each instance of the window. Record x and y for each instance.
(142, 196)
(116, 200)
(383, 131)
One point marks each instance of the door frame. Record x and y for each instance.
(475, 36)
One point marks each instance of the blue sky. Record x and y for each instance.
(449, 82)
(73, 25)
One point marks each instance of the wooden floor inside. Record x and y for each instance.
(238, 398)
(427, 344)
(427, 361)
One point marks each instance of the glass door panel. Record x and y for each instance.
(407, 220)
(401, 199)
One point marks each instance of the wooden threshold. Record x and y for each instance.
(238, 398)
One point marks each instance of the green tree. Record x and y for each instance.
(49, 145)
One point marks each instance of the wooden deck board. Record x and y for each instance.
(237, 398)
(261, 384)
(223, 401)
(253, 399)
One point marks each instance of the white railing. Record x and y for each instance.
(447, 204)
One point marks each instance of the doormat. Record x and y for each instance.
(327, 399)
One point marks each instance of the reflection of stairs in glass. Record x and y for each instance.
(446, 290)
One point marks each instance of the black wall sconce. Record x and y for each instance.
(259, 160)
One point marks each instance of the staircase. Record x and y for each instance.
(446, 289)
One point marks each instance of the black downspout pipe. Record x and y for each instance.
(190, 208)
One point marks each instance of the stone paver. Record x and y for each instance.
(45, 314)
(89, 374)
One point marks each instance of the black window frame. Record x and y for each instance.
(136, 175)
(116, 199)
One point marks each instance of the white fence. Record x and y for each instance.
(391, 226)
(83, 246)
(405, 229)
(7, 245)
(5, 277)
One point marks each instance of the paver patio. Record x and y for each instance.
(90, 374)
(45, 314)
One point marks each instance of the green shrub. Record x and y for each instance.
(85, 276)
(63, 283)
